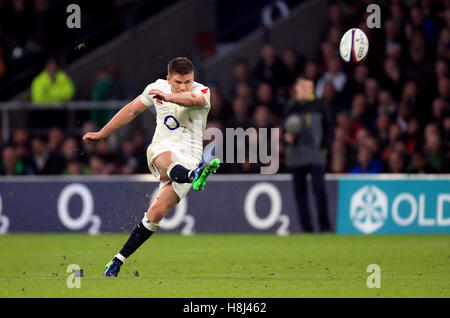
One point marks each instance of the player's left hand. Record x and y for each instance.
(159, 94)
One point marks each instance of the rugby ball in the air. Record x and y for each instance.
(354, 46)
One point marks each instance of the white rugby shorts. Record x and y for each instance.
(181, 189)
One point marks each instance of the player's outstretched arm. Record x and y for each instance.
(187, 99)
(122, 118)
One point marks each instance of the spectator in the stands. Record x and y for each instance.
(262, 117)
(334, 74)
(270, 68)
(446, 128)
(371, 89)
(55, 138)
(444, 88)
(439, 107)
(127, 156)
(52, 85)
(413, 135)
(312, 70)
(75, 167)
(366, 163)
(396, 163)
(392, 78)
(104, 151)
(220, 109)
(240, 116)
(244, 90)
(410, 95)
(420, 69)
(70, 149)
(21, 144)
(359, 115)
(433, 150)
(338, 163)
(141, 143)
(108, 86)
(386, 103)
(97, 166)
(294, 63)
(10, 165)
(241, 73)
(419, 164)
(46, 161)
(394, 136)
(102, 86)
(402, 117)
(118, 90)
(266, 96)
(355, 84)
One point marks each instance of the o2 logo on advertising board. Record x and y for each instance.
(4, 220)
(274, 216)
(87, 215)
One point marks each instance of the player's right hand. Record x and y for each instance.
(91, 137)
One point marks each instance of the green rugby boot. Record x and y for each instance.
(203, 172)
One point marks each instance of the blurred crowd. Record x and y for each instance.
(30, 30)
(390, 114)
(56, 154)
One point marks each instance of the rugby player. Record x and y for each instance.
(175, 153)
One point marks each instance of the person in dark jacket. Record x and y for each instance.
(307, 132)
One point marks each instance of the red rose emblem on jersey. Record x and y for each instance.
(159, 101)
(204, 90)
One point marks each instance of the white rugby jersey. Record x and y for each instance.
(178, 126)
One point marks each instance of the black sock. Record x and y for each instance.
(180, 174)
(139, 235)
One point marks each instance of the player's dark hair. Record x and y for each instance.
(180, 65)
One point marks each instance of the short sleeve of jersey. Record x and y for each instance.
(205, 91)
(146, 99)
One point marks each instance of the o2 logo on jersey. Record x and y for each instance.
(171, 122)
(275, 209)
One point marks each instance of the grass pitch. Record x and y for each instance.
(267, 266)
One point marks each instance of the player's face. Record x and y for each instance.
(181, 83)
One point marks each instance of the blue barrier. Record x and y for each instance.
(230, 204)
